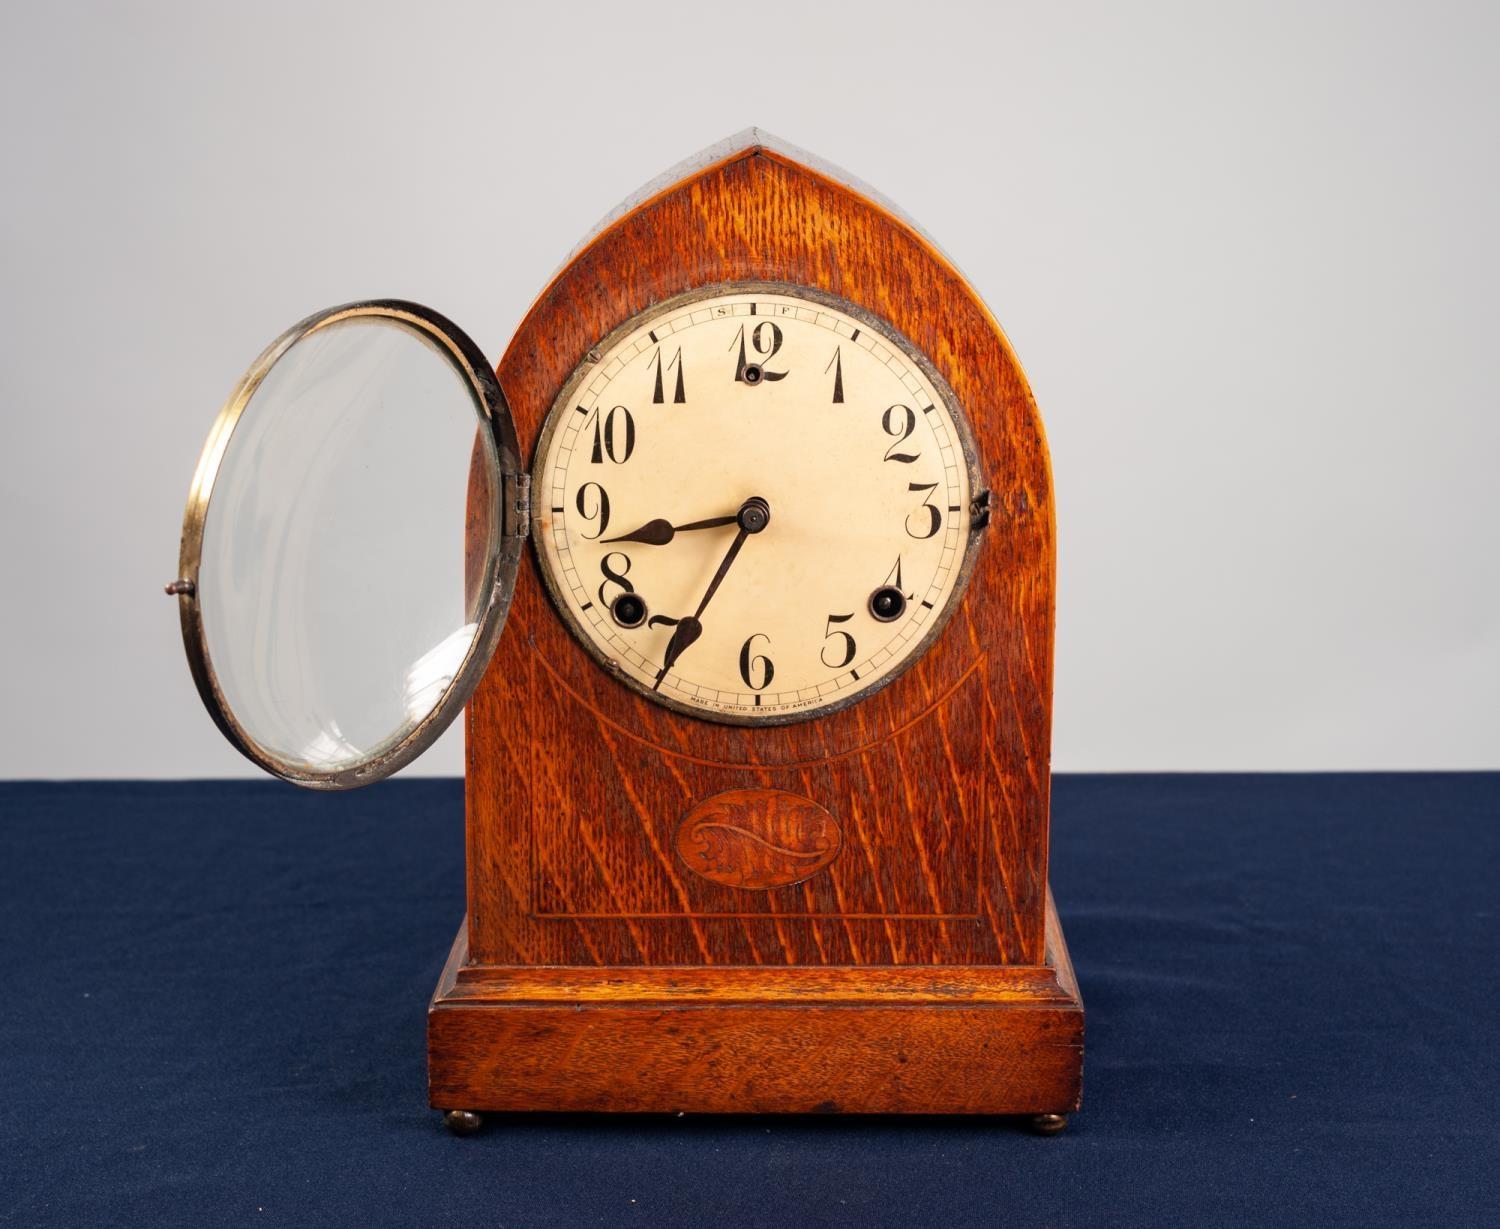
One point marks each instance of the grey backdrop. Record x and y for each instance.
(1248, 255)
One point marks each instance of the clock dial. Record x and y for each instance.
(753, 504)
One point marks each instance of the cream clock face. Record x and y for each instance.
(754, 504)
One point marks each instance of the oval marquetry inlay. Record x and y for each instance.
(758, 838)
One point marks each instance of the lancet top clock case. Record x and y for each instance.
(757, 769)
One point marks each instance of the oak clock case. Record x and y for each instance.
(757, 745)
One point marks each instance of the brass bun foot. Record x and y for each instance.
(463, 1122)
(1047, 1124)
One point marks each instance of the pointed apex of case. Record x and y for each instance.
(748, 140)
(747, 143)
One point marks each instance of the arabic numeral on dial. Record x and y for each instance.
(929, 518)
(893, 578)
(614, 435)
(659, 392)
(613, 576)
(836, 365)
(830, 634)
(765, 340)
(900, 421)
(601, 507)
(752, 664)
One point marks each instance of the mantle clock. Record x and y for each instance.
(748, 597)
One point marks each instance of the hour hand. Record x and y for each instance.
(659, 532)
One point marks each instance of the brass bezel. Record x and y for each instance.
(497, 436)
(978, 487)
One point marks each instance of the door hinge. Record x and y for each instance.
(516, 515)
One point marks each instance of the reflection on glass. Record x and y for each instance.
(433, 673)
(330, 750)
(332, 576)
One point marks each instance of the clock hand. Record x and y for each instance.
(687, 631)
(753, 516)
(659, 532)
(691, 627)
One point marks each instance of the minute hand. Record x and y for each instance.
(753, 516)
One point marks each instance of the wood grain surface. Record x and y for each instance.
(764, 1040)
(938, 784)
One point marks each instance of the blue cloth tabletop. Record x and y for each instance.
(213, 997)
